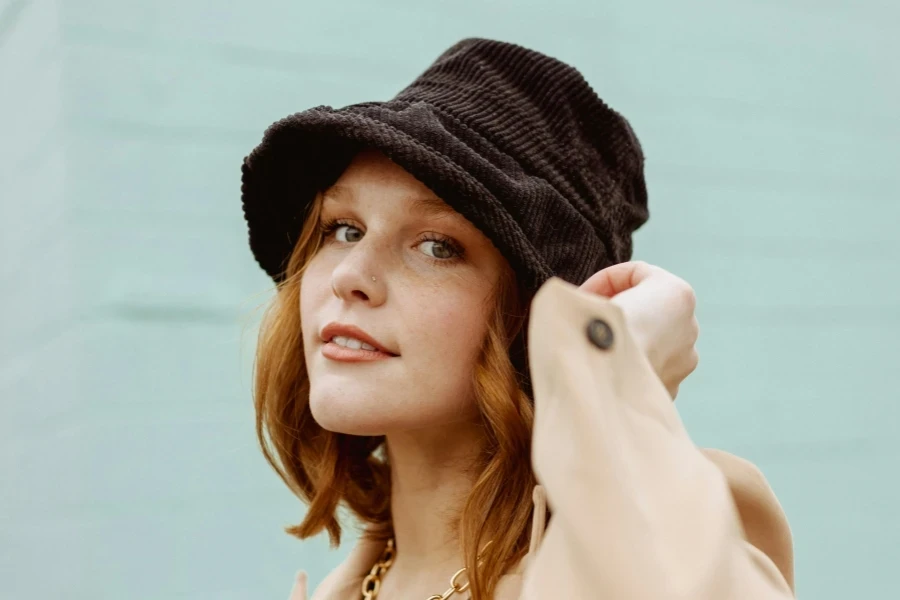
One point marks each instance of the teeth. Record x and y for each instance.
(349, 342)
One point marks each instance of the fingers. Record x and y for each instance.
(616, 279)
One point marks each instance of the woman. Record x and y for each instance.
(427, 329)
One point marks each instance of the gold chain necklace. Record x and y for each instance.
(371, 585)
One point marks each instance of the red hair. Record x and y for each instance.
(326, 469)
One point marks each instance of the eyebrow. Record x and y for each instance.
(431, 206)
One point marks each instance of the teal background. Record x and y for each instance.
(128, 463)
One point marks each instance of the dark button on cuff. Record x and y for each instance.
(600, 334)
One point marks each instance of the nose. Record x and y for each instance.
(358, 277)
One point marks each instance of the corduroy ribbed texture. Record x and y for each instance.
(514, 140)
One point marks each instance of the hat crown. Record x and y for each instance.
(542, 113)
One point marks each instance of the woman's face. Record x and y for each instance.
(401, 271)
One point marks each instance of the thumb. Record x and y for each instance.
(616, 279)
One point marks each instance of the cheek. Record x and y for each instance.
(456, 329)
(315, 287)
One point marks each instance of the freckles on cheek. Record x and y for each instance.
(460, 324)
(315, 287)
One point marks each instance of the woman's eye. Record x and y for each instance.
(347, 233)
(438, 249)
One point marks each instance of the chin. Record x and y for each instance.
(334, 413)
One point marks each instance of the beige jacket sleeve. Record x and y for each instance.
(638, 511)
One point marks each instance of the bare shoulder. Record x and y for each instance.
(510, 585)
(344, 581)
(764, 521)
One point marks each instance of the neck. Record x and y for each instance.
(431, 478)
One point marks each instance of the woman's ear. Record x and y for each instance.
(765, 524)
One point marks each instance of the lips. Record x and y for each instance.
(351, 331)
